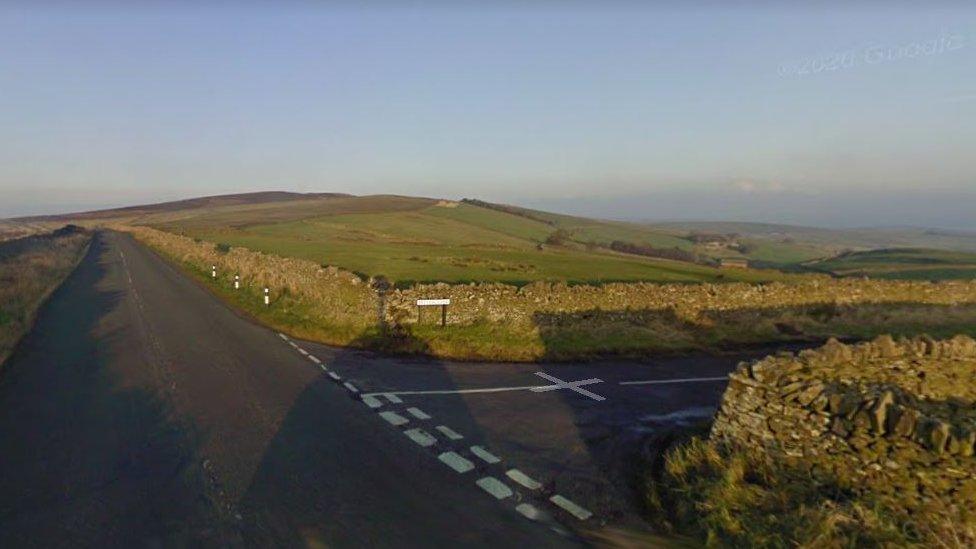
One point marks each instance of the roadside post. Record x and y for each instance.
(443, 303)
(213, 271)
(237, 282)
(267, 298)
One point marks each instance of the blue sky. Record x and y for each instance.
(833, 115)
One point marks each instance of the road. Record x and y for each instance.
(142, 411)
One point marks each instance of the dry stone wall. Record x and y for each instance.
(894, 417)
(520, 305)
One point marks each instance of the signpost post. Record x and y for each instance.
(433, 303)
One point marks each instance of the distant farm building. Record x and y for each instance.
(734, 263)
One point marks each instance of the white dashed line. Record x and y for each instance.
(421, 437)
(418, 413)
(485, 455)
(570, 507)
(684, 380)
(335, 376)
(394, 418)
(494, 487)
(324, 369)
(351, 387)
(528, 511)
(456, 462)
(393, 398)
(314, 359)
(448, 432)
(303, 351)
(372, 401)
(523, 479)
(282, 336)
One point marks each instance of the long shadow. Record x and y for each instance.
(336, 474)
(89, 454)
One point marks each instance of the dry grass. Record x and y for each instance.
(30, 269)
(736, 498)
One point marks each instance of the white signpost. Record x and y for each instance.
(213, 271)
(267, 298)
(237, 282)
(443, 303)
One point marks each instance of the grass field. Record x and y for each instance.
(903, 263)
(409, 240)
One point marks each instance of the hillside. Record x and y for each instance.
(424, 239)
(903, 263)
(419, 239)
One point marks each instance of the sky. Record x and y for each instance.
(833, 115)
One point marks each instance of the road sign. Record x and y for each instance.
(423, 302)
(443, 303)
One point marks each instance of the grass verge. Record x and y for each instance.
(31, 268)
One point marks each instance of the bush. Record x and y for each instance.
(676, 254)
(222, 248)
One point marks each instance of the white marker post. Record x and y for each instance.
(237, 282)
(213, 271)
(267, 298)
(443, 303)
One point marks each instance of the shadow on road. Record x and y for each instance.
(91, 455)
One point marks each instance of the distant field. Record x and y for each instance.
(411, 239)
(903, 263)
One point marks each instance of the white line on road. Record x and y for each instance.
(448, 432)
(571, 507)
(485, 455)
(303, 351)
(394, 418)
(456, 461)
(314, 359)
(421, 437)
(335, 376)
(282, 336)
(418, 413)
(571, 385)
(351, 387)
(523, 479)
(684, 380)
(463, 391)
(393, 398)
(372, 402)
(528, 511)
(494, 487)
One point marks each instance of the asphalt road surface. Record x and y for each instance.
(141, 411)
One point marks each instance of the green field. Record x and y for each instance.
(414, 239)
(903, 263)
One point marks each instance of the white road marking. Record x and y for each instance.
(421, 437)
(485, 455)
(494, 487)
(571, 385)
(351, 387)
(393, 398)
(683, 380)
(394, 418)
(324, 369)
(456, 461)
(528, 511)
(335, 376)
(449, 433)
(523, 479)
(571, 507)
(303, 351)
(314, 359)
(465, 391)
(372, 402)
(282, 336)
(418, 413)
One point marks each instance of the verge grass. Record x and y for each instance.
(742, 498)
(30, 269)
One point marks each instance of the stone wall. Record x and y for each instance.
(894, 417)
(521, 305)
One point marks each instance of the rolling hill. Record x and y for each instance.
(903, 263)
(410, 239)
